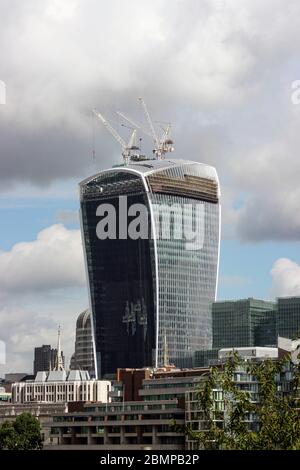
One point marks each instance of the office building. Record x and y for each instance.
(289, 317)
(151, 281)
(44, 358)
(239, 323)
(242, 323)
(83, 357)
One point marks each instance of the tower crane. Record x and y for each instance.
(163, 145)
(127, 148)
(133, 123)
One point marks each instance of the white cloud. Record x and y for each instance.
(23, 327)
(53, 261)
(285, 278)
(268, 175)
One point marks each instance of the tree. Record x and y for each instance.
(24, 433)
(269, 421)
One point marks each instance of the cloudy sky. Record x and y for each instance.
(224, 72)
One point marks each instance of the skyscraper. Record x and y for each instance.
(151, 232)
(44, 358)
(83, 357)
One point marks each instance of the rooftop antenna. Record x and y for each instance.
(127, 148)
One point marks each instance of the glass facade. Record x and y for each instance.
(289, 317)
(151, 296)
(243, 323)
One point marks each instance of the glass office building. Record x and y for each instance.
(151, 233)
(288, 317)
(244, 323)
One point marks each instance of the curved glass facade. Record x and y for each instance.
(150, 296)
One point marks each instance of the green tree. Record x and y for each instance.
(274, 416)
(24, 433)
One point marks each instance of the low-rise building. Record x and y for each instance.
(119, 426)
(147, 422)
(43, 411)
(61, 387)
(5, 397)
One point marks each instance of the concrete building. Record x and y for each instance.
(43, 411)
(83, 357)
(145, 423)
(252, 353)
(116, 426)
(161, 282)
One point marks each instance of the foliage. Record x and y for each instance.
(24, 433)
(270, 421)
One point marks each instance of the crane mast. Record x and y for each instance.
(163, 145)
(129, 150)
(126, 148)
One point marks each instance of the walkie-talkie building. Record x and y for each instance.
(151, 233)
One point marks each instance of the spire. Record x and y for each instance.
(58, 360)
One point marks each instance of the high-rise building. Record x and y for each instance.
(44, 358)
(239, 323)
(151, 232)
(83, 357)
(242, 323)
(288, 317)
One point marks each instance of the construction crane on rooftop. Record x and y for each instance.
(127, 148)
(162, 145)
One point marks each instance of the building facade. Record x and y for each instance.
(243, 323)
(156, 287)
(244, 381)
(132, 426)
(44, 358)
(239, 323)
(288, 309)
(61, 387)
(83, 357)
(145, 423)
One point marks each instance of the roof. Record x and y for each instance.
(62, 376)
(83, 318)
(146, 167)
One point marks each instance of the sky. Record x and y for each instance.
(225, 73)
